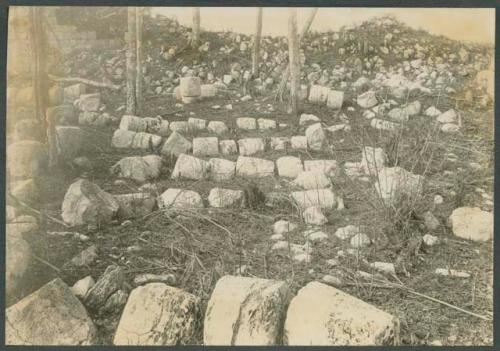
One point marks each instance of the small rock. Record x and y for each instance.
(82, 287)
(314, 216)
(430, 240)
(360, 240)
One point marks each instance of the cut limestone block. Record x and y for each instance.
(279, 143)
(318, 94)
(140, 124)
(251, 146)
(323, 315)
(328, 167)
(312, 180)
(246, 123)
(323, 198)
(146, 141)
(381, 124)
(197, 123)
(180, 198)
(175, 145)
(289, 166)
(189, 167)
(221, 169)
(207, 146)
(190, 86)
(138, 168)
(246, 311)
(254, 167)
(298, 142)
(89, 102)
(316, 137)
(335, 99)
(265, 123)
(86, 203)
(158, 314)
(122, 138)
(472, 223)
(307, 118)
(50, 316)
(219, 197)
(73, 92)
(228, 147)
(217, 127)
(179, 126)
(208, 90)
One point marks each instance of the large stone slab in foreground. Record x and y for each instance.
(322, 198)
(158, 314)
(323, 315)
(49, 316)
(246, 311)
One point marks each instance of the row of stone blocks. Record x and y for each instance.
(241, 311)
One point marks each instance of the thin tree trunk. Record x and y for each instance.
(131, 61)
(286, 73)
(195, 31)
(256, 43)
(40, 82)
(293, 53)
(139, 72)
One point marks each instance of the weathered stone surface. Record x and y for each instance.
(432, 112)
(335, 99)
(208, 90)
(318, 94)
(179, 126)
(141, 124)
(122, 138)
(307, 118)
(381, 124)
(62, 114)
(328, 167)
(312, 180)
(246, 123)
(158, 314)
(219, 197)
(283, 227)
(114, 303)
(265, 123)
(298, 142)
(82, 287)
(197, 124)
(450, 128)
(314, 235)
(373, 160)
(17, 261)
(73, 92)
(347, 232)
(449, 116)
(246, 311)
(146, 141)
(135, 205)
(180, 198)
(279, 143)
(316, 137)
(89, 102)
(111, 281)
(367, 99)
(360, 240)
(289, 166)
(472, 223)
(251, 146)
(323, 198)
(396, 181)
(49, 316)
(26, 159)
(208, 146)
(217, 127)
(95, 119)
(86, 203)
(190, 86)
(71, 141)
(228, 147)
(254, 167)
(313, 215)
(146, 278)
(138, 168)
(175, 145)
(221, 169)
(189, 167)
(324, 315)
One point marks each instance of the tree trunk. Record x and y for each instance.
(256, 43)
(195, 31)
(139, 72)
(40, 81)
(286, 74)
(293, 53)
(131, 61)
